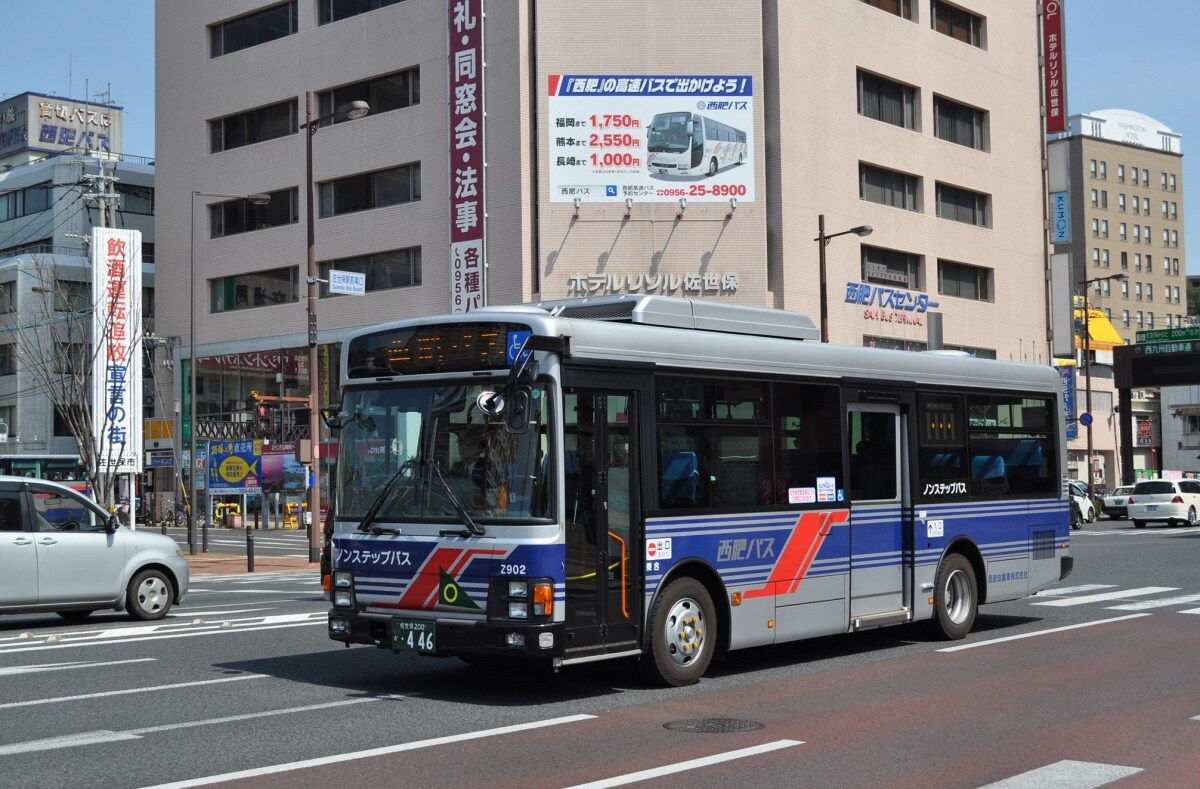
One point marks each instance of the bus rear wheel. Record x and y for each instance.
(683, 634)
(956, 597)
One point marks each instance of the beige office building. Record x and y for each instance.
(681, 147)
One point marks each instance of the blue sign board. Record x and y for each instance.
(1060, 218)
(1067, 373)
(235, 467)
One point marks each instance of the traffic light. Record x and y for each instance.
(265, 420)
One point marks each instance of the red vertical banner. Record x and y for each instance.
(1055, 69)
(466, 155)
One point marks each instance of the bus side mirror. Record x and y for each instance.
(691, 126)
(516, 412)
(332, 419)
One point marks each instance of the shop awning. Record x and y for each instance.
(1104, 336)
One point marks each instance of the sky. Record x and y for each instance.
(1142, 56)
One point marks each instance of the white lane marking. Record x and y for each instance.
(255, 772)
(1102, 596)
(691, 764)
(192, 613)
(238, 591)
(1162, 602)
(128, 691)
(135, 632)
(65, 741)
(104, 735)
(187, 634)
(1065, 590)
(990, 642)
(14, 670)
(1067, 774)
(1191, 611)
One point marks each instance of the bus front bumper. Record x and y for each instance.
(455, 636)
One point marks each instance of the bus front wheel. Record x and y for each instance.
(712, 167)
(956, 597)
(683, 632)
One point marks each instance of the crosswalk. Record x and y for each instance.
(1153, 530)
(1133, 599)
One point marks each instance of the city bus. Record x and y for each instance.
(688, 143)
(674, 479)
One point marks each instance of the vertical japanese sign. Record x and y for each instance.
(1055, 67)
(1066, 371)
(467, 207)
(116, 334)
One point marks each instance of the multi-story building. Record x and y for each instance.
(59, 160)
(1127, 209)
(582, 149)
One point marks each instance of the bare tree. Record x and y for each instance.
(57, 352)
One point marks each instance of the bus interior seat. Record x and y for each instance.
(680, 477)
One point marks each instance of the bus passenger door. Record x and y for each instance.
(878, 493)
(601, 467)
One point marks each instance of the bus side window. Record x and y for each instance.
(680, 478)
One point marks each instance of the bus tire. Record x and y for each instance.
(1139, 524)
(683, 634)
(712, 167)
(956, 597)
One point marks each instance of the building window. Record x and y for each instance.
(1104, 263)
(1166, 265)
(382, 94)
(371, 190)
(1166, 237)
(1137, 258)
(1121, 232)
(1171, 181)
(62, 420)
(242, 216)
(1139, 319)
(963, 281)
(1137, 205)
(1174, 210)
(962, 205)
(1162, 180)
(257, 289)
(1137, 234)
(72, 296)
(1125, 289)
(400, 268)
(886, 101)
(8, 361)
(1133, 176)
(334, 10)
(1124, 260)
(1137, 291)
(253, 29)
(136, 199)
(1121, 202)
(1095, 198)
(7, 303)
(889, 267)
(887, 187)
(1175, 239)
(1096, 228)
(1149, 320)
(1120, 173)
(257, 125)
(1095, 256)
(1125, 317)
(1103, 170)
(72, 358)
(1146, 178)
(901, 8)
(958, 123)
(1146, 206)
(23, 202)
(1104, 228)
(1149, 291)
(1175, 266)
(1104, 198)
(957, 23)
(1092, 169)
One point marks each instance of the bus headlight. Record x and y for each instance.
(338, 625)
(343, 579)
(518, 610)
(518, 589)
(342, 598)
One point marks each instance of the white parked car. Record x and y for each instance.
(1116, 503)
(1080, 496)
(1164, 500)
(61, 552)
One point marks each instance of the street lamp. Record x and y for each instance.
(352, 111)
(822, 240)
(254, 199)
(1087, 371)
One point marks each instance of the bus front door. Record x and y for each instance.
(877, 448)
(601, 499)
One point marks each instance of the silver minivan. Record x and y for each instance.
(61, 552)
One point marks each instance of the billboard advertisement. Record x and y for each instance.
(651, 138)
(117, 359)
(235, 467)
(465, 99)
(1054, 70)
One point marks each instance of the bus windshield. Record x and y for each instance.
(668, 133)
(440, 447)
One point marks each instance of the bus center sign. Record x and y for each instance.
(651, 138)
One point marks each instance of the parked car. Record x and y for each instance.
(1115, 503)
(1076, 515)
(61, 552)
(1079, 495)
(1164, 500)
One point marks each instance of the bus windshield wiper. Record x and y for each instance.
(473, 529)
(377, 504)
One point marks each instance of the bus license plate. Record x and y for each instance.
(414, 635)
